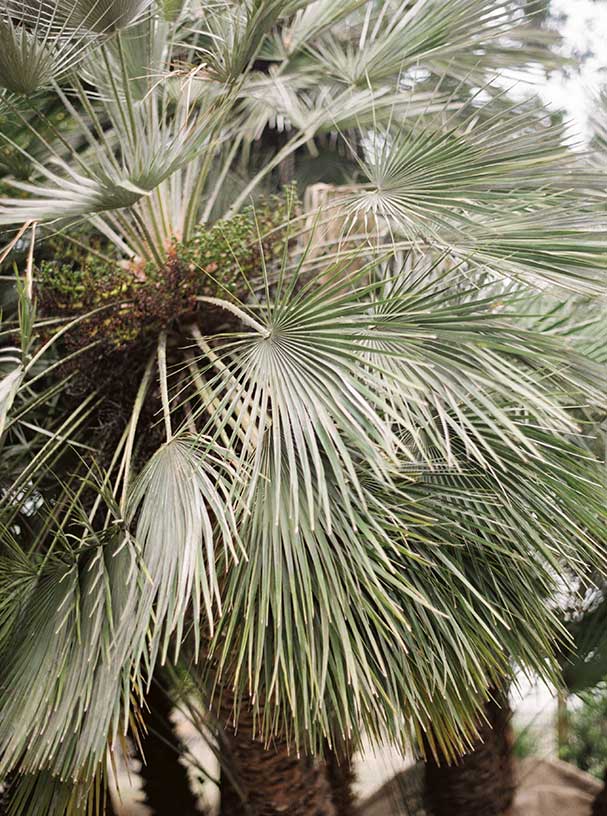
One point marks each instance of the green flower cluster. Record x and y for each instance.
(127, 303)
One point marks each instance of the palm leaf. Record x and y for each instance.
(99, 16)
(42, 794)
(295, 639)
(72, 637)
(9, 385)
(183, 500)
(585, 665)
(399, 36)
(37, 46)
(103, 16)
(376, 462)
(232, 34)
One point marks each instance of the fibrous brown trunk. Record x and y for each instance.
(482, 782)
(165, 779)
(340, 771)
(271, 780)
(599, 806)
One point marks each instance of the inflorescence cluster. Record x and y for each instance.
(123, 305)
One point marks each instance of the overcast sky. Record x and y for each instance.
(583, 30)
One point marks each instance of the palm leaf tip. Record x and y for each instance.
(39, 46)
(9, 386)
(104, 16)
(184, 497)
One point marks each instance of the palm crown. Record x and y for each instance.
(315, 441)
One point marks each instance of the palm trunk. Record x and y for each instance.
(273, 780)
(482, 782)
(165, 779)
(110, 810)
(599, 806)
(341, 779)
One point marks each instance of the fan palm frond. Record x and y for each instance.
(184, 497)
(71, 637)
(94, 617)
(150, 154)
(29, 61)
(585, 665)
(104, 16)
(42, 42)
(397, 37)
(487, 192)
(232, 35)
(292, 658)
(426, 176)
(41, 794)
(545, 248)
(100, 16)
(309, 22)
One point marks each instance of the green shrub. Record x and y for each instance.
(526, 742)
(586, 746)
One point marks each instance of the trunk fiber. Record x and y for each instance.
(482, 782)
(273, 780)
(341, 779)
(599, 806)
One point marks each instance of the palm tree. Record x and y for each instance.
(482, 781)
(304, 443)
(585, 661)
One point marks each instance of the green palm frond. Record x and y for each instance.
(104, 16)
(150, 154)
(304, 519)
(585, 665)
(73, 636)
(42, 42)
(309, 22)
(308, 344)
(425, 177)
(95, 614)
(463, 40)
(232, 34)
(295, 595)
(29, 62)
(99, 16)
(494, 193)
(42, 794)
(384, 354)
(39, 45)
(545, 248)
(17, 584)
(182, 499)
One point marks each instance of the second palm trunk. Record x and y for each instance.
(267, 780)
(482, 782)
